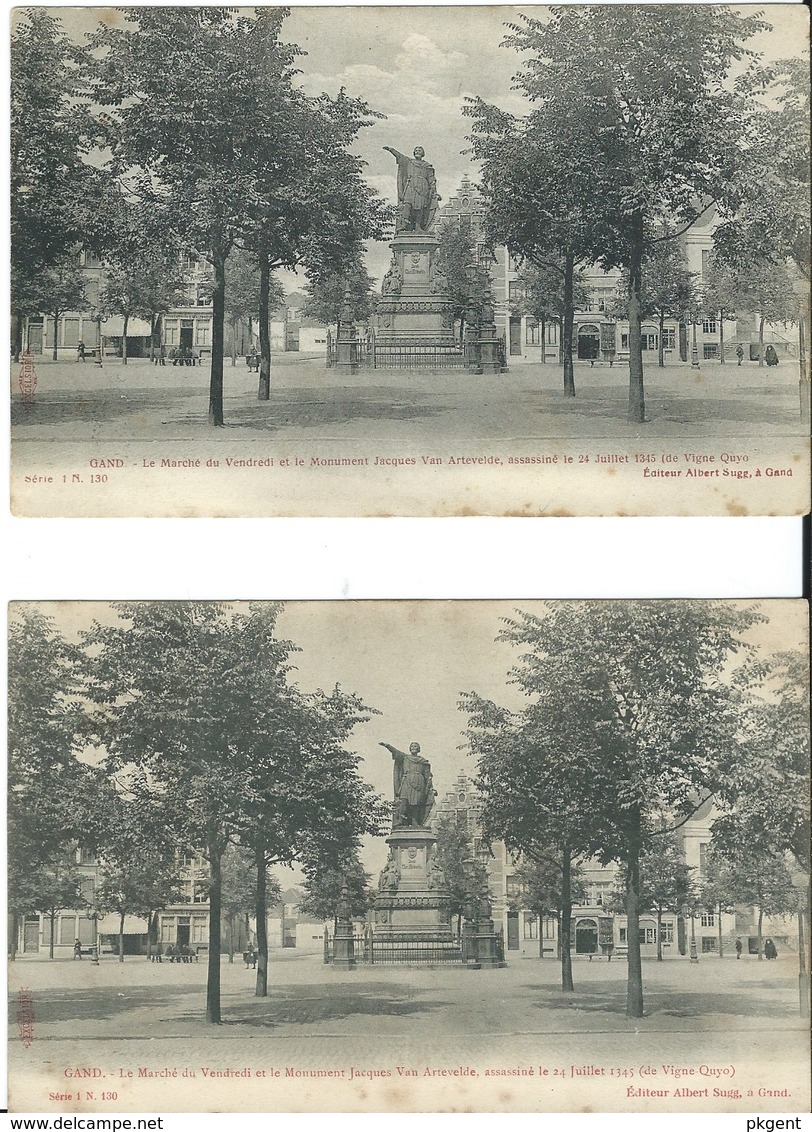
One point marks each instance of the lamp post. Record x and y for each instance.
(94, 919)
(693, 952)
(472, 319)
(800, 882)
(471, 926)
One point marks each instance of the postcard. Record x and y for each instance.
(409, 856)
(345, 262)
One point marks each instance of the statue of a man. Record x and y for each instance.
(417, 191)
(413, 786)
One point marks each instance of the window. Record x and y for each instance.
(531, 926)
(200, 892)
(204, 294)
(624, 341)
(87, 889)
(512, 886)
(91, 287)
(710, 350)
(203, 334)
(709, 326)
(669, 338)
(86, 933)
(70, 332)
(549, 927)
(707, 920)
(67, 930)
(167, 929)
(87, 857)
(648, 340)
(515, 292)
(622, 936)
(91, 259)
(598, 892)
(703, 858)
(709, 943)
(667, 933)
(199, 925)
(171, 332)
(531, 333)
(647, 935)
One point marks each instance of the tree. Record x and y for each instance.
(721, 295)
(538, 205)
(55, 886)
(455, 852)
(456, 251)
(329, 296)
(632, 714)
(540, 887)
(51, 187)
(324, 886)
(639, 118)
(60, 288)
(542, 297)
(715, 891)
(239, 890)
(759, 879)
(665, 879)
(667, 288)
(242, 293)
(138, 872)
(529, 773)
(767, 289)
(51, 794)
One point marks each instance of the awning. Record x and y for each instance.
(133, 925)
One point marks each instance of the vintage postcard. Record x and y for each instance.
(346, 262)
(409, 856)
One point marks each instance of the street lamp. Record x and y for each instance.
(94, 919)
(471, 925)
(800, 882)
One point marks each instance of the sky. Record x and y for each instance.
(411, 660)
(417, 65)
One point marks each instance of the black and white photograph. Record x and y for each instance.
(432, 856)
(424, 261)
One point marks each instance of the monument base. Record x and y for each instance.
(413, 902)
(415, 320)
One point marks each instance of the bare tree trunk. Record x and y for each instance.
(218, 303)
(660, 352)
(721, 951)
(121, 937)
(569, 318)
(124, 339)
(634, 987)
(637, 402)
(264, 392)
(215, 899)
(761, 341)
(15, 933)
(543, 335)
(152, 324)
(231, 939)
(659, 935)
(262, 926)
(760, 940)
(566, 919)
(234, 341)
(722, 337)
(53, 930)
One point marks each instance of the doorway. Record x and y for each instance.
(186, 337)
(515, 336)
(586, 937)
(31, 935)
(589, 343)
(183, 935)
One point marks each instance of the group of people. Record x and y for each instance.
(175, 953)
(770, 355)
(770, 950)
(183, 356)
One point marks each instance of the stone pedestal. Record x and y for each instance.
(343, 946)
(347, 349)
(489, 349)
(412, 313)
(413, 901)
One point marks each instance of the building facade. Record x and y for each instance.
(597, 929)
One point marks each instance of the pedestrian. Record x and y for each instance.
(162, 355)
(769, 950)
(77, 950)
(738, 941)
(80, 351)
(771, 357)
(740, 353)
(159, 953)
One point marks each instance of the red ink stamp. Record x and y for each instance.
(25, 1016)
(28, 378)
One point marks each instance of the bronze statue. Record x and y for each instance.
(417, 191)
(413, 787)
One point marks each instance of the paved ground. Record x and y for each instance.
(135, 440)
(139, 401)
(725, 1025)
